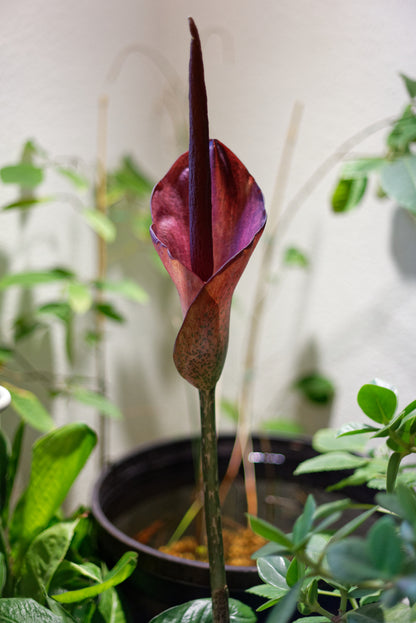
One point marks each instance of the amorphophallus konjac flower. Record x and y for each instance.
(207, 217)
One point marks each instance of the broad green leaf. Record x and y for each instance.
(272, 570)
(57, 459)
(330, 461)
(348, 194)
(268, 591)
(30, 279)
(316, 545)
(21, 610)
(70, 574)
(295, 572)
(60, 611)
(312, 619)
(77, 179)
(303, 523)
(295, 257)
(328, 440)
(350, 562)
(43, 558)
(374, 613)
(30, 409)
(127, 288)
(384, 547)
(378, 402)
(120, 572)
(316, 388)
(410, 85)
(23, 174)
(97, 401)
(407, 500)
(360, 167)
(270, 532)
(101, 224)
(398, 180)
(26, 203)
(200, 611)
(110, 607)
(79, 296)
(283, 611)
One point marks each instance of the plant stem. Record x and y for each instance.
(209, 459)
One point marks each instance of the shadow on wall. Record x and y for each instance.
(403, 242)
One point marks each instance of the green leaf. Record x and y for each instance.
(5, 354)
(30, 409)
(410, 85)
(403, 132)
(372, 613)
(352, 525)
(377, 401)
(57, 459)
(20, 610)
(295, 257)
(3, 572)
(330, 461)
(384, 547)
(269, 532)
(295, 572)
(316, 388)
(109, 311)
(312, 619)
(97, 401)
(398, 180)
(79, 296)
(79, 181)
(110, 607)
(303, 523)
(130, 178)
(43, 558)
(360, 167)
(348, 194)
(230, 409)
(283, 611)
(200, 611)
(26, 203)
(101, 224)
(392, 471)
(120, 572)
(268, 591)
(126, 288)
(35, 278)
(350, 562)
(272, 570)
(59, 309)
(23, 174)
(282, 426)
(356, 428)
(328, 440)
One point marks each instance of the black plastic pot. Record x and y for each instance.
(155, 480)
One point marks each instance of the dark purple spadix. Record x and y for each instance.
(200, 211)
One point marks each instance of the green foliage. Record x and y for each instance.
(394, 170)
(316, 388)
(49, 570)
(200, 611)
(295, 257)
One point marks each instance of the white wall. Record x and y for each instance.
(356, 307)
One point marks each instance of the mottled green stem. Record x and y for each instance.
(209, 459)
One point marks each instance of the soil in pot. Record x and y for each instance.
(157, 483)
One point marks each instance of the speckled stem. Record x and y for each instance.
(219, 590)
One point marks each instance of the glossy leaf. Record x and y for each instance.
(356, 428)
(43, 558)
(398, 180)
(328, 440)
(97, 401)
(110, 607)
(120, 572)
(283, 611)
(330, 461)
(57, 459)
(21, 610)
(392, 471)
(378, 402)
(272, 570)
(30, 409)
(268, 591)
(200, 611)
(23, 174)
(101, 224)
(348, 194)
(303, 523)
